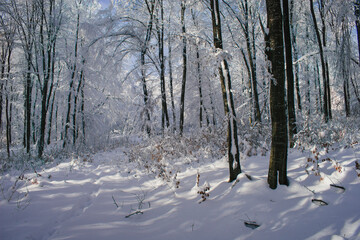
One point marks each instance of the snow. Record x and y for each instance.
(107, 196)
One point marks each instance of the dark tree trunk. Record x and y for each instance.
(51, 118)
(47, 65)
(278, 154)
(202, 107)
(160, 31)
(72, 80)
(8, 104)
(8, 125)
(229, 109)
(6, 60)
(143, 68)
(27, 95)
(323, 31)
(358, 35)
(82, 110)
(171, 84)
(183, 83)
(252, 61)
(318, 88)
(345, 55)
(2, 74)
(323, 66)
(296, 55)
(289, 75)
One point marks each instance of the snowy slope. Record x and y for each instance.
(105, 196)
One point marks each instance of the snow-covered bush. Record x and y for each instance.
(338, 132)
(254, 140)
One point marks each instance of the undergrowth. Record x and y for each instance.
(341, 132)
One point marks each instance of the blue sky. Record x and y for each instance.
(104, 3)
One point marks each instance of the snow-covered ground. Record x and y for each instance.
(106, 196)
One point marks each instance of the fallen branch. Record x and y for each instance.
(134, 213)
(319, 202)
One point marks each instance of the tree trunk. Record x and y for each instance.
(345, 55)
(184, 55)
(73, 69)
(202, 107)
(171, 84)
(278, 154)
(358, 33)
(2, 74)
(229, 109)
(323, 31)
(289, 74)
(295, 54)
(51, 118)
(251, 50)
(160, 31)
(82, 110)
(143, 68)
(323, 65)
(6, 60)
(47, 63)
(27, 103)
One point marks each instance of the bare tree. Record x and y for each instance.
(50, 22)
(160, 33)
(7, 39)
(279, 144)
(228, 100)
(184, 76)
(324, 64)
(289, 74)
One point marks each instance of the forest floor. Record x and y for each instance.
(110, 195)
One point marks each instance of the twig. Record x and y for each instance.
(134, 213)
(117, 206)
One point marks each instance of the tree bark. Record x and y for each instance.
(327, 115)
(289, 74)
(202, 107)
(48, 60)
(278, 154)
(160, 31)
(229, 109)
(73, 69)
(296, 57)
(184, 55)
(144, 48)
(171, 83)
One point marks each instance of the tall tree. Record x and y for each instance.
(171, 79)
(293, 29)
(25, 15)
(7, 41)
(160, 33)
(150, 4)
(73, 76)
(45, 65)
(289, 74)
(228, 100)
(248, 28)
(279, 144)
(324, 64)
(184, 76)
(202, 108)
